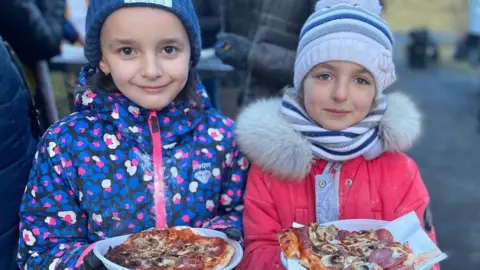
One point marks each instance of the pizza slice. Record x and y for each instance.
(311, 247)
(290, 243)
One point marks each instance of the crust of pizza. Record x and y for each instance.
(290, 244)
(307, 257)
(227, 256)
(312, 262)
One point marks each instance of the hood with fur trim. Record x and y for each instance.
(270, 142)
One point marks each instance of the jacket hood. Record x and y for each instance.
(270, 142)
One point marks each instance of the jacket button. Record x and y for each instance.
(349, 182)
(323, 184)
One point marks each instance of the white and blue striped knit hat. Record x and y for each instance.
(347, 30)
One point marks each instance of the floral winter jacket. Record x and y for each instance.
(112, 168)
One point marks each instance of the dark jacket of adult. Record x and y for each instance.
(18, 139)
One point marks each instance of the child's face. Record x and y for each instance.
(338, 95)
(147, 52)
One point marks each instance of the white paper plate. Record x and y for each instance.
(357, 224)
(101, 248)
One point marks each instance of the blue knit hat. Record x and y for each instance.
(347, 30)
(99, 10)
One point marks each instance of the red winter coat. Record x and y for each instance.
(384, 188)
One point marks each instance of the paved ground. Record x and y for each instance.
(448, 156)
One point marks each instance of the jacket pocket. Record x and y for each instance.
(301, 216)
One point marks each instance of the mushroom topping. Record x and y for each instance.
(334, 262)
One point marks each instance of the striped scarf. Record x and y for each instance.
(330, 145)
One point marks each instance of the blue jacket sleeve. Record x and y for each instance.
(53, 228)
(230, 208)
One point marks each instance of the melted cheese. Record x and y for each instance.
(335, 242)
(411, 259)
(349, 260)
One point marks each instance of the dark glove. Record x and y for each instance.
(91, 262)
(233, 49)
(233, 233)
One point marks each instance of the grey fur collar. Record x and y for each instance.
(271, 143)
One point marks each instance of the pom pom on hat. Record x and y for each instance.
(370, 5)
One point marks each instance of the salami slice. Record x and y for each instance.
(342, 234)
(384, 258)
(384, 236)
(194, 262)
(302, 234)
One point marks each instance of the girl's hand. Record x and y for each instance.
(92, 262)
(233, 233)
